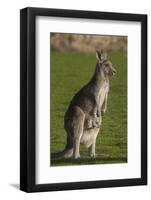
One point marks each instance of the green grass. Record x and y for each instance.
(69, 72)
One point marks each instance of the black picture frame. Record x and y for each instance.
(28, 98)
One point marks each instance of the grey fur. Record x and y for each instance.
(83, 117)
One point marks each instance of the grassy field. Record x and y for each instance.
(111, 145)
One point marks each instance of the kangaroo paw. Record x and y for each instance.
(102, 113)
(98, 114)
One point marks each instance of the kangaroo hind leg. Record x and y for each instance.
(78, 125)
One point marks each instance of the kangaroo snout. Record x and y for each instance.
(114, 71)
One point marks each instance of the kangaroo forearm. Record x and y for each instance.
(104, 105)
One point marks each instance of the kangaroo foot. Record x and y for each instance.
(91, 154)
(76, 156)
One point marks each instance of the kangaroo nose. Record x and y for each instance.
(114, 71)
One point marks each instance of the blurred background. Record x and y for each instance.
(65, 42)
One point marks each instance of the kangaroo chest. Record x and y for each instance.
(103, 91)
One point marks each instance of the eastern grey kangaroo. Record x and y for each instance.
(83, 117)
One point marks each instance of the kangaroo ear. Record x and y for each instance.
(101, 55)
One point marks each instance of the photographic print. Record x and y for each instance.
(83, 99)
(88, 99)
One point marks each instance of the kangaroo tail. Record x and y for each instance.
(66, 153)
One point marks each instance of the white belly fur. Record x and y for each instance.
(89, 136)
